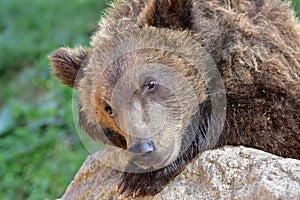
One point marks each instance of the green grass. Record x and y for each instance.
(40, 150)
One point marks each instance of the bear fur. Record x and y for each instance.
(256, 47)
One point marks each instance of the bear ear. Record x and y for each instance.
(66, 63)
(175, 14)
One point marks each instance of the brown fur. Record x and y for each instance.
(174, 14)
(256, 46)
(66, 63)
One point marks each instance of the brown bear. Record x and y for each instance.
(167, 79)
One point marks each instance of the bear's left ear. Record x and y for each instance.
(175, 14)
(66, 63)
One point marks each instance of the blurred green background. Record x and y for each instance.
(40, 150)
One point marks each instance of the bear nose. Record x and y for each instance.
(142, 147)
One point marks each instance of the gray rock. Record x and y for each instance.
(225, 173)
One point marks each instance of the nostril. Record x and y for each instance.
(142, 147)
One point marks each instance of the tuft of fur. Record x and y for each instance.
(66, 63)
(175, 14)
(255, 44)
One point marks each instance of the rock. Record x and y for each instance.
(225, 173)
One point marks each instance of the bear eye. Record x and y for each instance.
(108, 109)
(151, 85)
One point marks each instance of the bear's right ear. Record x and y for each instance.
(175, 14)
(66, 63)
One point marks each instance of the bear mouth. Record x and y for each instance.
(155, 160)
(164, 161)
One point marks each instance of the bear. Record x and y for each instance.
(164, 80)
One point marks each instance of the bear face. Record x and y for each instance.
(147, 96)
(151, 101)
(151, 84)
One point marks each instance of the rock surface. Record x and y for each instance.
(225, 173)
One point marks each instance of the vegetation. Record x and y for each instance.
(40, 150)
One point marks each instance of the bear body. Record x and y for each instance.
(255, 46)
